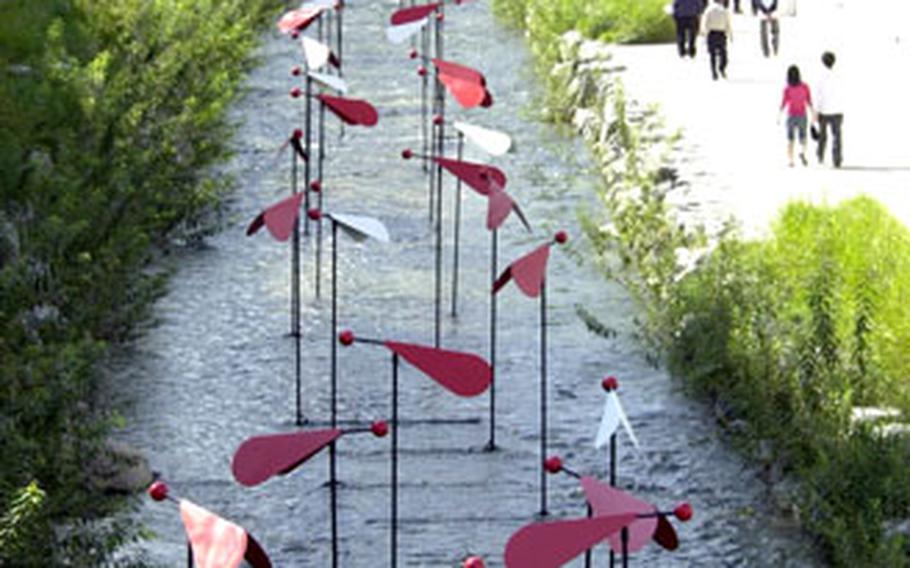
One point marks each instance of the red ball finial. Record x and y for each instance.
(610, 383)
(407, 153)
(683, 512)
(158, 491)
(316, 185)
(295, 34)
(421, 70)
(413, 54)
(379, 428)
(297, 134)
(440, 16)
(346, 337)
(295, 92)
(314, 214)
(553, 464)
(295, 70)
(473, 562)
(562, 237)
(438, 119)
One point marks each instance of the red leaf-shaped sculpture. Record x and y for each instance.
(351, 111)
(487, 101)
(299, 19)
(499, 205)
(552, 544)
(460, 71)
(261, 457)
(279, 219)
(479, 177)
(606, 500)
(217, 542)
(464, 374)
(665, 535)
(412, 14)
(528, 272)
(468, 93)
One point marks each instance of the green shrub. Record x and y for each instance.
(110, 112)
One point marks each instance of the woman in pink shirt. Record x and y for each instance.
(798, 102)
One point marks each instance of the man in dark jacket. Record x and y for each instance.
(686, 13)
(769, 23)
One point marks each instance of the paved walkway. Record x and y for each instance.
(735, 152)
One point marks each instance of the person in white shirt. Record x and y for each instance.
(716, 25)
(829, 106)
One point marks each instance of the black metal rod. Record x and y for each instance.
(612, 482)
(543, 398)
(624, 537)
(319, 200)
(394, 501)
(588, 552)
(457, 232)
(440, 151)
(295, 250)
(308, 148)
(189, 555)
(333, 464)
(494, 270)
(296, 315)
(339, 30)
(424, 88)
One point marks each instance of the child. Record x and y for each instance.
(798, 101)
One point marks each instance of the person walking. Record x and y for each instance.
(797, 101)
(769, 23)
(686, 14)
(829, 106)
(716, 24)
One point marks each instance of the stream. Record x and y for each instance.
(218, 365)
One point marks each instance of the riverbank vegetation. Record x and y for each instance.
(790, 339)
(110, 112)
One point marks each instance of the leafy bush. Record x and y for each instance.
(110, 110)
(619, 21)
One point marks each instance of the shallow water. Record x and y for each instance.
(219, 367)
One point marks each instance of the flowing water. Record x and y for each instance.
(218, 367)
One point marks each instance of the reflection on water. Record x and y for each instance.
(218, 368)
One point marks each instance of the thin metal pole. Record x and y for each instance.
(494, 269)
(588, 552)
(543, 398)
(306, 169)
(189, 555)
(333, 464)
(457, 235)
(319, 174)
(295, 251)
(340, 37)
(424, 87)
(624, 537)
(394, 503)
(612, 471)
(440, 141)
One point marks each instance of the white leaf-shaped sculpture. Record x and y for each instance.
(613, 416)
(330, 81)
(493, 142)
(400, 34)
(361, 227)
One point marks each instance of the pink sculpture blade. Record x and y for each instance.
(479, 177)
(467, 93)
(216, 542)
(351, 111)
(299, 19)
(528, 272)
(279, 219)
(413, 13)
(499, 205)
(464, 374)
(552, 544)
(665, 535)
(460, 71)
(262, 457)
(606, 500)
(255, 555)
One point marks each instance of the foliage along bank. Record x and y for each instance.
(110, 113)
(787, 336)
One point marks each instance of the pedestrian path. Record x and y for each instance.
(735, 151)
